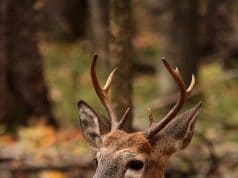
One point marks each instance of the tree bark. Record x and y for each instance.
(23, 68)
(121, 56)
(223, 16)
(3, 60)
(99, 19)
(181, 47)
(75, 13)
(64, 19)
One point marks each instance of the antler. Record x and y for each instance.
(184, 92)
(102, 93)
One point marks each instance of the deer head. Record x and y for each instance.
(139, 154)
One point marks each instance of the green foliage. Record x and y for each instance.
(67, 73)
(220, 103)
(63, 68)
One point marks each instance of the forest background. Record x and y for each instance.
(46, 47)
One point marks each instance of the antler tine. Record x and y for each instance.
(184, 92)
(151, 119)
(191, 85)
(109, 81)
(102, 93)
(123, 119)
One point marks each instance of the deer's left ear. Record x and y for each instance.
(177, 135)
(90, 125)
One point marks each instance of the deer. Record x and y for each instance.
(140, 154)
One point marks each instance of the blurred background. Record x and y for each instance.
(46, 47)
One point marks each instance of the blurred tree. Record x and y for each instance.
(181, 44)
(99, 20)
(121, 56)
(3, 68)
(22, 65)
(64, 19)
(75, 14)
(221, 28)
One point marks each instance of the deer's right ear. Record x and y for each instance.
(89, 122)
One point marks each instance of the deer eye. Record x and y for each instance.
(135, 165)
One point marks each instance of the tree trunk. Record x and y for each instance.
(181, 47)
(219, 31)
(223, 16)
(64, 19)
(23, 66)
(121, 56)
(75, 13)
(3, 60)
(99, 19)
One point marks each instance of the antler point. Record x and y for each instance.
(151, 119)
(200, 104)
(123, 120)
(164, 61)
(109, 80)
(192, 84)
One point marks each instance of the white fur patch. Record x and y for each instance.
(134, 174)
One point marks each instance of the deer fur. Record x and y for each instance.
(139, 154)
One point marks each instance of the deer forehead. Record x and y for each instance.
(120, 141)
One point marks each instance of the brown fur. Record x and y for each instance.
(139, 154)
(118, 140)
(117, 148)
